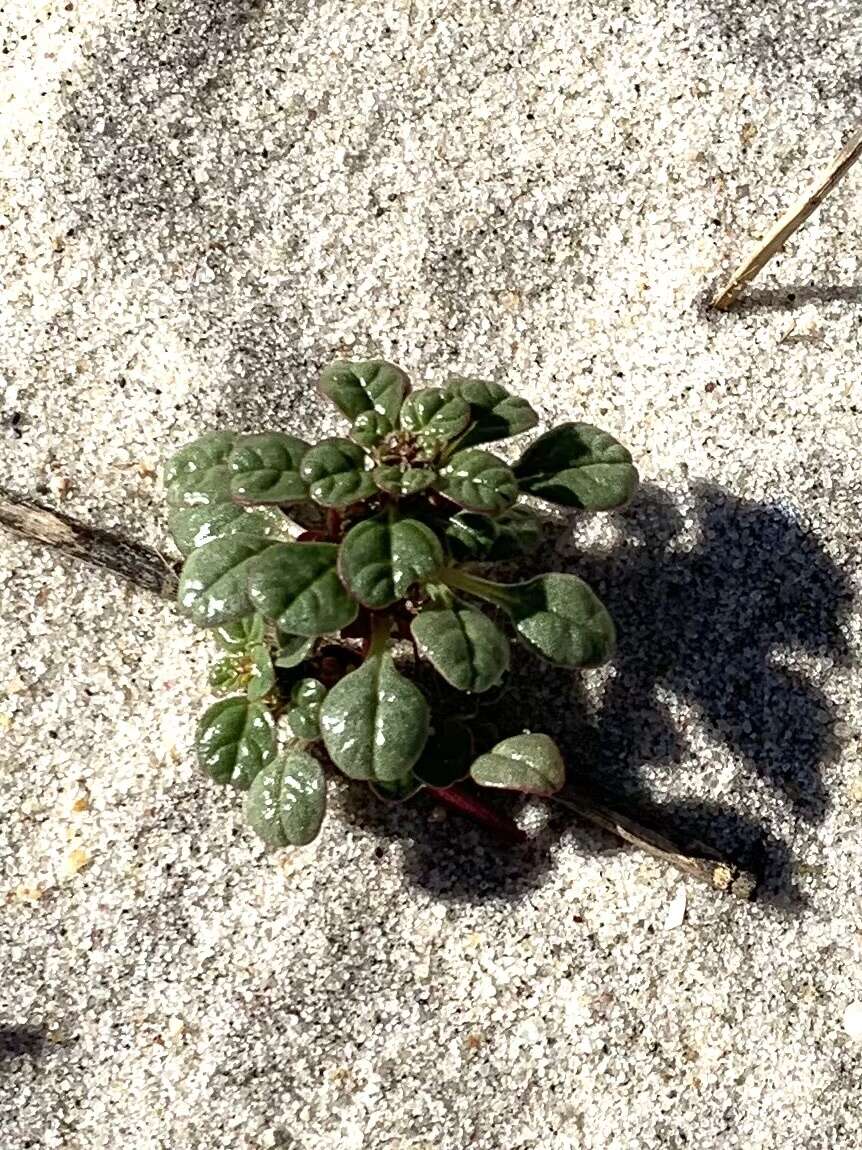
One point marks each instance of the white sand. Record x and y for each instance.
(203, 202)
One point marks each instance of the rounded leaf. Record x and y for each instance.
(561, 619)
(371, 385)
(577, 465)
(287, 801)
(403, 481)
(463, 645)
(265, 469)
(374, 722)
(198, 475)
(479, 481)
(434, 416)
(519, 531)
(193, 527)
(297, 585)
(241, 635)
(494, 412)
(213, 583)
(235, 739)
(380, 559)
(369, 429)
(292, 650)
(335, 473)
(528, 763)
(471, 535)
(399, 791)
(262, 677)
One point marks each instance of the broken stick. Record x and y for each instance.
(781, 232)
(145, 568)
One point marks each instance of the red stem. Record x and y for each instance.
(475, 809)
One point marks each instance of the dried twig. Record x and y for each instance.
(146, 568)
(706, 865)
(781, 232)
(131, 561)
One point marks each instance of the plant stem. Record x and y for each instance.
(780, 233)
(475, 809)
(381, 630)
(474, 585)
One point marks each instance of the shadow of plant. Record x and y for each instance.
(704, 622)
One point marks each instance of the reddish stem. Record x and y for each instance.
(475, 809)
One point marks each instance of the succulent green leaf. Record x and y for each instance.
(577, 465)
(447, 755)
(262, 678)
(193, 527)
(374, 722)
(463, 645)
(372, 385)
(369, 429)
(471, 535)
(494, 412)
(265, 469)
(434, 416)
(292, 650)
(529, 763)
(303, 724)
(307, 698)
(398, 481)
(213, 586)
(241, 635)
(235, 739)
(198, 475)
(557, 616)
(335, 473)
(478, 481)
(519, 531)
(380, 559)
(287, 801)
(297, 585)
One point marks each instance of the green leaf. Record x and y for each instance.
(226, 675)
(479, 481)
(198, 475)
(375, 722)
(287, 801)
(262, 679)
(399, 481)
(463, 645)
(529, 763)
(495, 413)
(297, 585)
(373, 385)
(292, 650)
(307, 698)
(241, 635)
(335, 473)
(447, 755)
(471, 535)
(519, 531)
(213, 583)
(380, 559)
(369, 429)
(265, 469)
(577, 465)
(193, 527)
(235, 739)
(556, 615)
(433, 416)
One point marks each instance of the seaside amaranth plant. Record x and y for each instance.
(313, 565)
